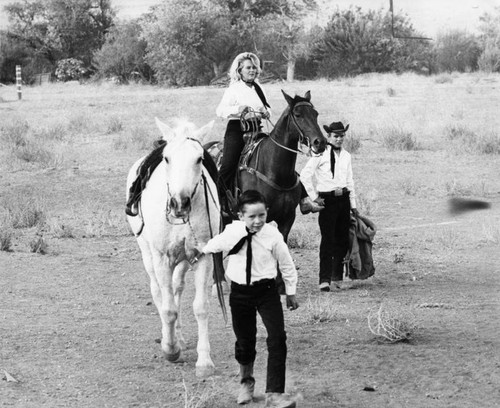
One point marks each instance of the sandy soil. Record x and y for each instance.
(77, 326)
(78, 329)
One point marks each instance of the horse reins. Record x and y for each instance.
(302, 137)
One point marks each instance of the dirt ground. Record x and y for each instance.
(78, 328)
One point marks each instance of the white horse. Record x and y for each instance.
(179, 210)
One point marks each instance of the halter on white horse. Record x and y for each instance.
(180, 211)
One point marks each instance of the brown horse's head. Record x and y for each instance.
(305, 118)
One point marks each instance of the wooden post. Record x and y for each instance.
(18, 82)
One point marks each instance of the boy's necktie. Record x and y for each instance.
(332, 160)
(247, 238)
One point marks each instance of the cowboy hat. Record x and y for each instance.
(336, 127)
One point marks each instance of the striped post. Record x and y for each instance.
(18, 82)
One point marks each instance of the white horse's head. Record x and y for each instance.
(183, 156)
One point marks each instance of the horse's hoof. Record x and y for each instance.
(173, 357)
(205, 371)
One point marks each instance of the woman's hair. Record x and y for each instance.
(250, 197)
(234, 71)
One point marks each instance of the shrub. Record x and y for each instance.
(115, 125)
(6, 235)
(38, 245)
(37, 153)
(56, 131)
(69, 69)
(399, 139)
(392, 323)
(322, 309)
(15, 134)
(457, 50)
(24, 212)
(468, 141)
(489, 60)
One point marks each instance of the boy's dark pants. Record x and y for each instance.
(334, 223)
(245, 302)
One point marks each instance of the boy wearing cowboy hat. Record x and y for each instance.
(334, 188)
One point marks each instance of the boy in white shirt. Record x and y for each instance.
(334, 188)
(255, 249)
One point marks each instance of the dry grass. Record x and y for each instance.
(24, 211)
(392, 322)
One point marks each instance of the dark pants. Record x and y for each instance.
(231, 152)
(334, 223)
(245, 302)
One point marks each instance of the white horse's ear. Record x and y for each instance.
(166, 131)
(203, 132)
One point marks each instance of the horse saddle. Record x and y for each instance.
(252, 142)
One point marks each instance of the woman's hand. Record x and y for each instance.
(243, 108)
(264, 113)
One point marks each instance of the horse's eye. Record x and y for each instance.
(166, 160)
(199, 160)
(297, 113)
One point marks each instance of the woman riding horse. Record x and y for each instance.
(244, 93)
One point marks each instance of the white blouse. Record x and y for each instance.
(236, 95)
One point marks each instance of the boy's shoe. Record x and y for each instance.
(324, 287)
(307, 205)
(279, 400)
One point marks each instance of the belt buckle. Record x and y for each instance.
(338, 192)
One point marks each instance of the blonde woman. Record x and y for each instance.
(243, 92)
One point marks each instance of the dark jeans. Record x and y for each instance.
(231, 152)
(233, 146)
(334, 223)
(245, 302)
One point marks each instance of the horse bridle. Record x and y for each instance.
(168, 208)
(302, 137)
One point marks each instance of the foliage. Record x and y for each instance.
(193, 41)
(457, 50)
(69, 69)
(59, 29)
(177, 32)
(396, 138)
(123, 53)
(357, 41)
(489, 60)
(15, 52)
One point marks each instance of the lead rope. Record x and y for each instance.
(218, 283)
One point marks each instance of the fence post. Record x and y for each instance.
(18, 82)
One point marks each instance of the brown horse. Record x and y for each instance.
(271, 167)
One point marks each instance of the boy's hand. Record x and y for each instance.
(291, 302)
(320, 201)
(194, 256)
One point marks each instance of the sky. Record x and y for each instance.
(427, 16)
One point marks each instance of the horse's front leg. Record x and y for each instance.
(168, 310)
(202, 278)
(179, 284)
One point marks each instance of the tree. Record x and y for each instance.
(356, 41)
(59, 29)
(457, 50)
(489, 59)
(283, 29)
(187, 36)
(123, 53)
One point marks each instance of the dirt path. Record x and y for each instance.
(78, 329)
